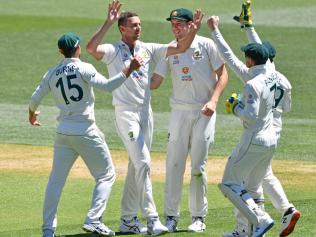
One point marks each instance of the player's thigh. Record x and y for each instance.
(179, 132)
(202, 136)
(128, 125)
(95, 153)
(64, 157)
(261, 163)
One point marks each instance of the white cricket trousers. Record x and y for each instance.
(189, 132)
(135, 127)
(95, 153)
(273, 188)
(247, 167)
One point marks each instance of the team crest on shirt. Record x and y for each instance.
(197, 55)
(131, 135)
(145, 55)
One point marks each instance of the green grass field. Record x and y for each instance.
(28, 34)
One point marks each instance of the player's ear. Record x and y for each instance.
(61, 51)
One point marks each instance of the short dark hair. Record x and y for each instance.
(124, 16)
(69, 53)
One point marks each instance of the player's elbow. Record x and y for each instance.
(92, 51)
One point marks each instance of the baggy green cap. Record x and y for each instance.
(271, 49)
(257, 52)
(181, 14)
(68, 41)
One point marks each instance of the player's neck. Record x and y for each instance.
(129, 42)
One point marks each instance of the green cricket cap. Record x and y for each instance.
(258, 52)
(68, 41)
(271, 49)
(181, 14)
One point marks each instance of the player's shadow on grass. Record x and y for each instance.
(116, 234)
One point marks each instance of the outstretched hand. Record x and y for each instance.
(197, 19)
(114, 11)
(213, 22)
(33, 118)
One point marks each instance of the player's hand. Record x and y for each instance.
(135, 64)
(197, 20)
(114, 11)
(33, 118)
(231, 103)
(209, 108)
(213, 22)
(245, 17)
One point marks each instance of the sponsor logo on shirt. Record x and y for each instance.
(186, 76)
(250, 99)
(185, 70)
(175, 60)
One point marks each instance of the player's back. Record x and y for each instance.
(282, 101)
(264, 85)
(72, 94)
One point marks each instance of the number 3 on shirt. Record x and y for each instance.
(70, 86)
(278, 94)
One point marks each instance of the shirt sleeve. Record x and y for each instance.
(159, 51)
(248, 111)
(109, 52)
(40, 92)
(230, 58)
(162, 68)
(214, 55)
(253, 37)
(287, 97)
(97, 80)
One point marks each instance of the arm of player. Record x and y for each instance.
(155, 81)
(95, 41)
(226, 52)
(248, 111)
(210, 107)
(36, 99)
(182, 45)
(98, 81)
(159, 74)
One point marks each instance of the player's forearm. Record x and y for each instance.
(96, 40)
(155, 81)
(100, 82)
(229, 57)
(221, 84)
(252, 36)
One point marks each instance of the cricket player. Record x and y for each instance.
(250, 160)
(71, 83)
(133, 113)
(199, 77)
(271, 184)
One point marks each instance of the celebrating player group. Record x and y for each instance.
(199, 77)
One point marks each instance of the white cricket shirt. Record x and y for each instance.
(134, 92)
(193, 73)
(71, 84)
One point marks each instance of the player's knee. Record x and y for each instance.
(197, 171)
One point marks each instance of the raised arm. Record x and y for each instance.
(182, 45)
(226, 52)
(93, 44)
